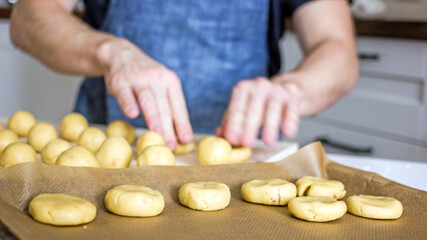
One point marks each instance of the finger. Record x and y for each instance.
(291, 118)
(124, 95)
(273, 115)
(159, 90)
(127, 102)
(148, 106)
(181, 120)
(255, 111)
(234, 118)
(219, 131)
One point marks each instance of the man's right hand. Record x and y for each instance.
(135, 79)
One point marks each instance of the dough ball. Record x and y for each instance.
(156, 155)
(61, 209)
(240, 154)
(213, 150)
(77, 157)
(40, 134)
(319, 187)
(17, 153)
(21, 122)
(53, 149)
(134, 201)
(72, 125)
(7, 137)
(115, 152)
(269, 192)
(317, 209)
(374, 207)
(185, 148)
(149, 138)
(205, 196)
(122, 129)
(91, 138)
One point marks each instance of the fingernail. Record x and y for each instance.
(171, 144)
(231, 137)
(248, 143)
(157, 129)
(185, 137)
(291, 131)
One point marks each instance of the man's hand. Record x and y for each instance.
(261, 103)
(136, 79)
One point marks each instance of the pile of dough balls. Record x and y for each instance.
(80, 145)
(215, 150)
(12, 150)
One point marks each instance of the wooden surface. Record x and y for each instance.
(412, 30)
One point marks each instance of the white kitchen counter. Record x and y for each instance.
(409, 173)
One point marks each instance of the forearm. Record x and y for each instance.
(329, 71)
(47, 30)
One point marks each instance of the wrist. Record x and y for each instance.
(292, 82)
(108, 49)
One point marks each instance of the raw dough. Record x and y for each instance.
(1, 126)
(374, 207)
(134, 201)
(269, 192)
(149, 138)
(122, 129)
(61, 209)
(317, 209)
(240, 154)
(40, 134)
(92, 139)
(184, 148)
(21, 122)
(72, 125)
(78, 157)
(52, 150)
(213, 150)
(17, 153)
(319, 187)
(156, 155)
(205, 196)
(115, 152)
(7, 137)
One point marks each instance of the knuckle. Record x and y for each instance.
(153, 72)
(243, 85)
(171, 76)
(116, 84)
(145, 98)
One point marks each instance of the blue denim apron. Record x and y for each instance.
(211, 45)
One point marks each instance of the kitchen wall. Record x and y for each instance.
(27, 84)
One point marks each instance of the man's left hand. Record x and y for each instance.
(261, 103)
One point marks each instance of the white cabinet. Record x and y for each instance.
(27, 84)
(387, 108)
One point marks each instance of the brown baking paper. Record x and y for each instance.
(240, 220)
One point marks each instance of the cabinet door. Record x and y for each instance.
(384, 104)
(312, 129)
(389, 99)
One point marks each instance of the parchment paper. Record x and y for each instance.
(240, 220)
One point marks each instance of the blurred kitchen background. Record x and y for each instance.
(384, 116)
